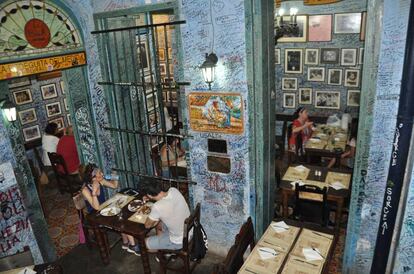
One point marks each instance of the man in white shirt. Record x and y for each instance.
(49, 142)
(168, 213)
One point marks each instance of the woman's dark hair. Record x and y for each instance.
(171, 139)
(88, 173)
(51, 128)
(297, 112)
(151, 187)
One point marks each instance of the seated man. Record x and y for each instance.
(168, 213)
(67, 148)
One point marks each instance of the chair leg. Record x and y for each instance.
(163, 263)
(186, 261)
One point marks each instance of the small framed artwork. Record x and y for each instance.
(69, 119)
(361, 56)
(311, 57)
(172, 96)
(320, 28)
(59, 122)
(353, 98)
(363, 26)
(348, 57)
(62, 86)
(143, 53)
(305, 96)
(302, 22)
(170, 53)
(289, 100)
(329, 56)
(163, 68)
(65, 103)
(328, 99)
(19, 82)
(171, 67)
(293, 61)
(161, 54)
(27, 116)
(49, 91)
(31, 133)
(152, 101)
(335, 77)
(289, 83)
(23, 96)
(277, 56)
(53, 109)
(347, 23)
(352, 78)
(316, 74)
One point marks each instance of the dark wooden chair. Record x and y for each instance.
(183, 254)
(36, 177)
(69, 183)
(311, 204)
(234, 259)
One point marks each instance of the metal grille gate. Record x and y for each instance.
(137, 88)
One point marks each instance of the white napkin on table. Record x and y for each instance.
(312, 255)
(27, 270)
(279, 227)
(337, 185)
(314, 140)
(266, 253)
(297, 181)
(300, 168)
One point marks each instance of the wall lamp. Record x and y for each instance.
(9, 109)
(208, 68)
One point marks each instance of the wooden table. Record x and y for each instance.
(290, 249)
(102, 223)
(337, 196)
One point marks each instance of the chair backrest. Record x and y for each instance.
(17, 260)
(58, 163)
(188, 226)
(314, 195)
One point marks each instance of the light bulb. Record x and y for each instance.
(281, 12)
(293, 11)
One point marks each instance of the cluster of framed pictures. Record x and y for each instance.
(323, 98)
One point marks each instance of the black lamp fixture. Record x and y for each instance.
(286, 28)
(208, 68)
(9, 110)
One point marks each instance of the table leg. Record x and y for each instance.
(144, 254)
(338, 214)
(285, 198)
(103, 247)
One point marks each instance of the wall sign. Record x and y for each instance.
(36, 66)
(309, 2)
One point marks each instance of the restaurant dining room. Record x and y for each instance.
(206, 136)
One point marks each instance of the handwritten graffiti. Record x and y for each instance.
(217, 184)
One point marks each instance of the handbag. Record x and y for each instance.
(200, 241)
(79, 201)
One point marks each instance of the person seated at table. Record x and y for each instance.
(49, 144)
(93, 193)
(348, 157)
(301, 125)
(67, 148)
(167, 214)
(171, 153)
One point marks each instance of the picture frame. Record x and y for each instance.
(171, 69)
(353, 98)
(302, 22)
(53, 109)
(320, 28)
(311, 56)
(59, 122)
(31, 133)
(27, 116)
(305, 96)
(143, 52)
(352, 78)
(277, 56)
(361, 56)
(161, 54)
(293, 61)
(19, 82)
(23, 96)
(152, 101)
(347, 23)
(363, 26)
(65, 103)
(69, 119)
(170, 53)
(172, 96)
(316, 74)
(163, 68)
(335, 77)
(329, 56)
(62, 86)
(289, 83)
(348, 57)
(289, 100)
(153, 117)
(49, 91)
(327, 99)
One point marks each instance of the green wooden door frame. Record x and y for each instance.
(261, 84)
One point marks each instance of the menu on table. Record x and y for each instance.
(297, 265)
(295, 173)
(316, 143)
(343, 178)
(314, 240)
(118, 200)
(255, 264)
(280, 241)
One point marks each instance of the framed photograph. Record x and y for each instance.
(161, 54)
(277, 56)
(293, 61)
(328, 99)
(31, 133)
(152, 101)
(311, 56)
(62, 86)
(347, 23)
(361, 56)
(59, 122)
(289, 83)
(53, 109)
(49, 91)
(329, 56)
(23, 96)
(305, 96)
(320, 28)
(353, 98)
(163, 68)
(154, 117)
(289, 100)
(69, 119)
(352, 78)
(19, 82)
(27, 116)
(65, 103)
(316, 74)
(171, 67)
(349, 57)
(143, 53)
(172, 96)
(170, 53)
(363, 26)
(335, 77)
(302, 22)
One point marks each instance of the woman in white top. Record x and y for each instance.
(49, 142)
(348, 157)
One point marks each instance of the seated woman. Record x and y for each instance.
(347, 158)
(171, 154)
(94, 196)
(49, 144)
(301, 125)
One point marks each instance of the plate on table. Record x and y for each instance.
(110, 211)
(145, 209)
(135, 205)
